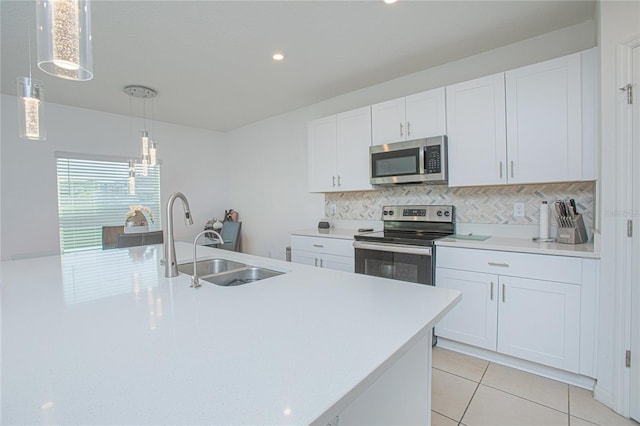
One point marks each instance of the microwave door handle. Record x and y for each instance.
(421, 160)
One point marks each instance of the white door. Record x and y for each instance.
(354, 140)
(425, 114)
(634, 406)
(322, 141)
(476, 130)
(304, 257)
(540, 321)
(474, 319)
(388, 122)
(340, 263)
(544, 121)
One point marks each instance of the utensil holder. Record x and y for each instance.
(571, 230)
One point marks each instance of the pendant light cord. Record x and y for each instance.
(29, 43)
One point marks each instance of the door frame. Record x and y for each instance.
(624, 130)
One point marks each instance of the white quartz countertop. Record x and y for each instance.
(339, 233)
(101, 337)
(523, 245)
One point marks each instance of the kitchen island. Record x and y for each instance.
(101, 337)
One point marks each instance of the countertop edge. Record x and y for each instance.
(520, 245)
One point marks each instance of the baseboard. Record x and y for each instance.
(520, 364)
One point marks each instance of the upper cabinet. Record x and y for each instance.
(533, 124)
(476, 132)
(417, 116)
(339, 152)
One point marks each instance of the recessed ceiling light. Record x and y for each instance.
(278, 56)
(390, 1)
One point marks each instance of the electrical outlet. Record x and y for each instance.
(333, 209)
(518, 209)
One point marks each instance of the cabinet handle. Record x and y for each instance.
(321, 263)
(315, 261)
(512, 169)
(318, 245)
(491, 297)
(501, 170)
(400, 129)
(333, 181)
(504, 265)
(503, 292)
(339, 180)
(408, 128)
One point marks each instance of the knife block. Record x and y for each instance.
(571, 230)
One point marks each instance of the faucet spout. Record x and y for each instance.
(171, 267)
(195, 282)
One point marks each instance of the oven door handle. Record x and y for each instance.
(394, 248)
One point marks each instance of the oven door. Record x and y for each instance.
(396, 261)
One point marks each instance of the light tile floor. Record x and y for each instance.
(472, 392)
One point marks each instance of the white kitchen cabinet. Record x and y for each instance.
(322, 144)
(339, 152)
(544, 121)
(416, 116)
(532, 307)
(330, 253)
(474, 320)
(476, 132)
(540, 321)
(533, 124)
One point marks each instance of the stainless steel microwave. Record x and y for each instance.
(416, 161)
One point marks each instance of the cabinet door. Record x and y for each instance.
(425, 113)
(322, 139)
(354, 140)
(477, 132)
(304, 257)
(340, 263)
(474, 319)
(388, 122)
(540, 321)
(544, 121)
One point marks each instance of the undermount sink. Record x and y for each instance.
(246, 275)
(211, 266)
(227, 273)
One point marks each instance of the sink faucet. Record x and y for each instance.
(195, 282)
(171, 267)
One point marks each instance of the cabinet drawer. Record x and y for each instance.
(333, 246)
(535, 266)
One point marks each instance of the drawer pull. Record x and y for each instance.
(504, 265)
(318, 245)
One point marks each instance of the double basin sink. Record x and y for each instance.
(227, 273)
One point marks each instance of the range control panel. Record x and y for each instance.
(418, 213)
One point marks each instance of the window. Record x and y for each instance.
(93, 192)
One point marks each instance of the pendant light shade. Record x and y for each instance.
(64, 38)
(132, 177)
(31, 109)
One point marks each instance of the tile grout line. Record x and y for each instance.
(474, 393)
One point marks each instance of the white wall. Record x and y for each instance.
(29, 212)
(269, 185)
(619, 21)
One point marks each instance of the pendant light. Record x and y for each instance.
(148, 148)
(132, 177)
(64, 38)
(30, 95)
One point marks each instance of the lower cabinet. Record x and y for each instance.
(518, 310)
(330, 253)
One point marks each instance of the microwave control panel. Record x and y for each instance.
(432, 159)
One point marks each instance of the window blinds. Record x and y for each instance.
(93, 192)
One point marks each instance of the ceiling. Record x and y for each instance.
(210, 61)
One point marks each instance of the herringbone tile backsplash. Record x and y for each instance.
(487, 204)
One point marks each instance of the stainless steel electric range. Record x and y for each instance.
(404, 250)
